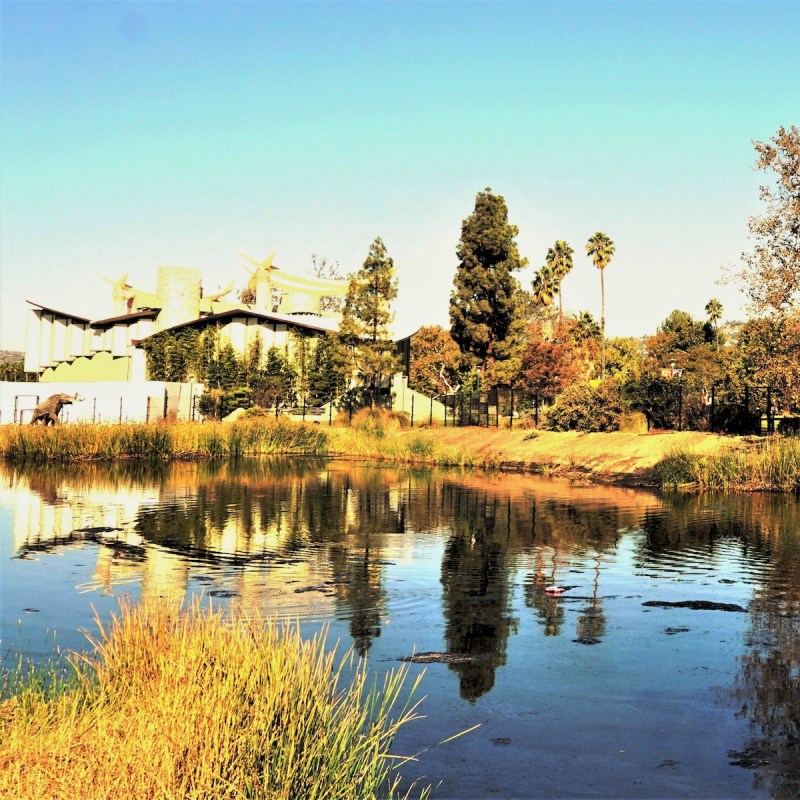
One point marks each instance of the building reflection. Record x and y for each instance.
(313, 540)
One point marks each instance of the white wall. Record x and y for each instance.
(102, 401)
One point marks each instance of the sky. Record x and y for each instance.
(178, 133)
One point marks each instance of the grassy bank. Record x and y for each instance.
(370, 436)
(185, 705)
(772, 464)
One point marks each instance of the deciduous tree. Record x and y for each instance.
(435, 361)
(771, 270)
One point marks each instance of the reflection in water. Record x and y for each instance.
(317, 541)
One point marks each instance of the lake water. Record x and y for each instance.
(591, 693)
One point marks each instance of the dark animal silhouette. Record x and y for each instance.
(48, 410)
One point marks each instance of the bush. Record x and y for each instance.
(583, 407)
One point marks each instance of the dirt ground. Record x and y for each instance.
(628, 458)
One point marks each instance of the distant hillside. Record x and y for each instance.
(10, 356)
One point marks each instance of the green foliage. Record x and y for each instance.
(600, 248)
(624, 358)
(324, 379)
(172, 355)
(771, 271)
(241, 397)
(482, 300)
(12, 371)
(365, 348)
(769, 353)
(583, 407)
(559, 260)
(275, 383)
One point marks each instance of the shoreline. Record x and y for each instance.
(618, 458)
(621, 459)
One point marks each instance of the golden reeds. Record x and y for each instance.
(183, 704)
(376, 435)
(774, 465)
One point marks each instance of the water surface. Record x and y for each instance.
(591, 693)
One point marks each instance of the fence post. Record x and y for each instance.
(511, 415)
(120, 411)
(330, 411)
(430, 421)
(350, 407)
(680, 406)
(713, 403)
(536, 410)
(94, 409)
(770, 418)
(412, 410)
(276, 408)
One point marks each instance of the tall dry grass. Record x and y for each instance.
(94, 442)
(374, 434)
(175, 704)
(772, 465)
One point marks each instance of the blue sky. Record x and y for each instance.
(139, 134)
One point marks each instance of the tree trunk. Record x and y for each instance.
(602, 326)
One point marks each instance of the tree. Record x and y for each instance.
(771, 272)
(546, 366)
(545, 285)
(365, 342)
(482, 300)
(324, 378)
(601, 250)
(714, 314)
(559, 259)
(323, 268)
(435, 361)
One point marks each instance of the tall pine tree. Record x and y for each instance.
(366, 350)
(482, 300)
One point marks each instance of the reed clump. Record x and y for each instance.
(182, 704)
(158, 440)
(773, 464)
(374, 434)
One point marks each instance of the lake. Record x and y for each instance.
(668, 667)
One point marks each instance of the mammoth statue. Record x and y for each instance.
(48, 410)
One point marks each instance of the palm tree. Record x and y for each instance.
(601, 250)
(714, 313)
(545, 286)
(559, 259)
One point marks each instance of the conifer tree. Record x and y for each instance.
(482, 300)
(366, 350)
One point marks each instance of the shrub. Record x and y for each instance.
(583, 407)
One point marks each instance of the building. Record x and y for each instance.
(62, 346)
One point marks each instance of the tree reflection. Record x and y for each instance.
(476, 599)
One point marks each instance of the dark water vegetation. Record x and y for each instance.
(636, 675)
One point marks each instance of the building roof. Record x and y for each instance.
(60, 313)
(297, 320)
(144, 313)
